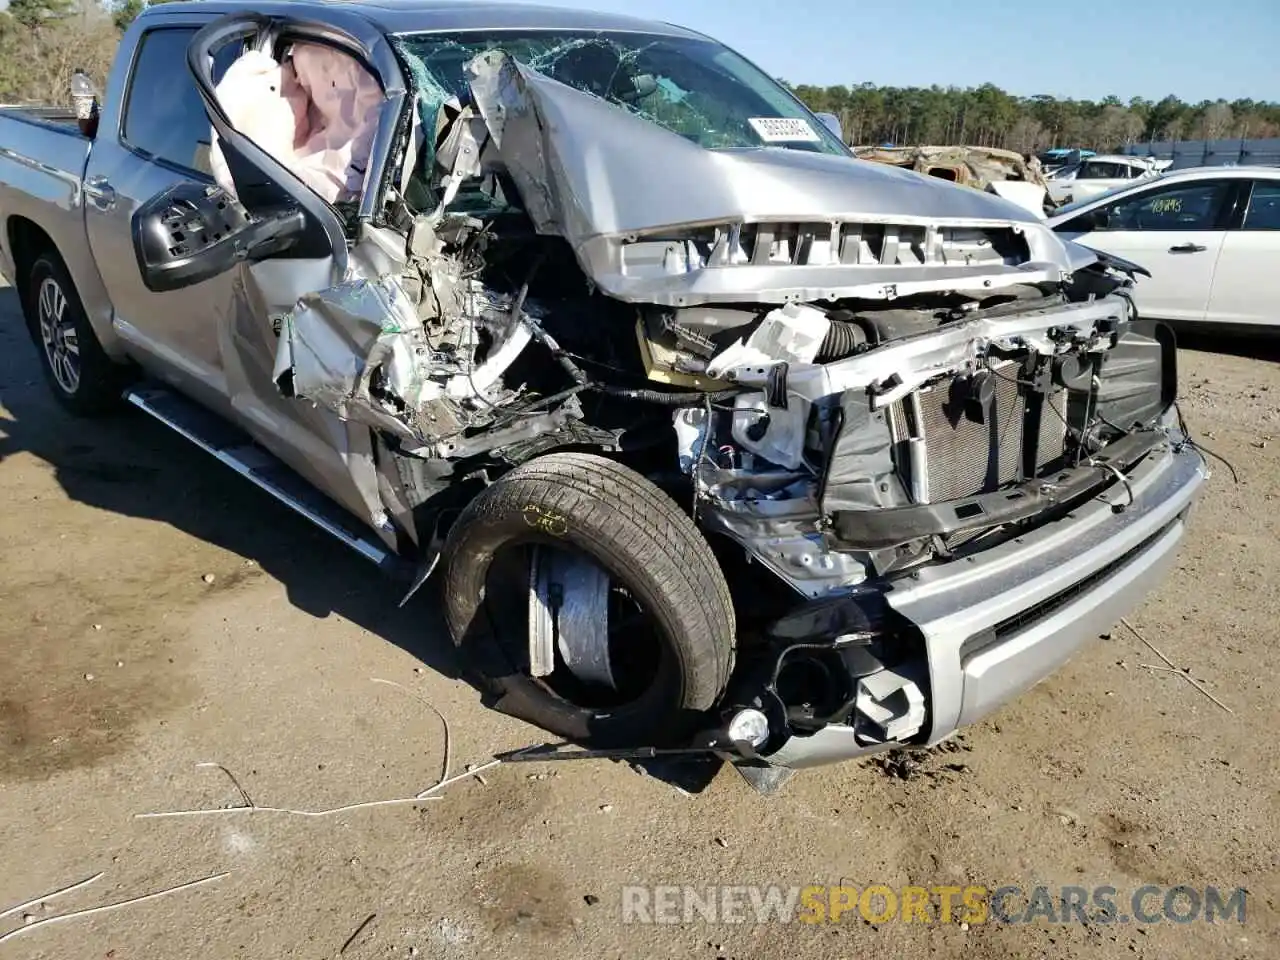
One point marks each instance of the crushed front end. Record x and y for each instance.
(965, 505)
(945, 433)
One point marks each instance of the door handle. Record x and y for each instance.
(1188, 248)
(99, 190)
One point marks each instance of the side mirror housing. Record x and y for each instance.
(1096, 219)
(832, 123)
(193, 232)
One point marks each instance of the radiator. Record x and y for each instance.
(945, 455)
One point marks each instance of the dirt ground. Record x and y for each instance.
(157, 612)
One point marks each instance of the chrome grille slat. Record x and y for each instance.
(867, 244)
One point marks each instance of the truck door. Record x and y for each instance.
(153, 136)
(253, 293)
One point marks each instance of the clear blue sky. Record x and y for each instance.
(1196, 49)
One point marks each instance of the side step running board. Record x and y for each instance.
(237, 450)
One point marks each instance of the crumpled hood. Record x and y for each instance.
(587, 167)
(831, 183)
(629, 195)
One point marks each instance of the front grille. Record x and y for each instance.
(884, 244)
(947, 454)
(825, 243)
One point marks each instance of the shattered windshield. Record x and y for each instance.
(693, 87)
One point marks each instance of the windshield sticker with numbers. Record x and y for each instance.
(783, 129)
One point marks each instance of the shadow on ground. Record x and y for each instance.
(1259, 346)
(132, 465)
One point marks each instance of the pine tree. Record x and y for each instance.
(36, 13)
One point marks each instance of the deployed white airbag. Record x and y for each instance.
(316, 113)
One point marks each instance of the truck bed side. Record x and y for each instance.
(42, 164)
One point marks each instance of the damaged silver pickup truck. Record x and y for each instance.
(720, 436)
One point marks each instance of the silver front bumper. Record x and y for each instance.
(997, 623)
(1001, 621)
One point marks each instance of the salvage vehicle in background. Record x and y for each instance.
(1209, 239)
(1002, 172)
(718, 435)
(1058, 157)
(1096, 175)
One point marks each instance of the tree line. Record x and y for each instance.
(42, 41)
(988, 116)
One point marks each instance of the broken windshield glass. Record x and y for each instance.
(695, 88)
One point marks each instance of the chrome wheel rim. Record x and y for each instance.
(58, 335)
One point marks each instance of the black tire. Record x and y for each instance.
(95, 388)
(649, 547)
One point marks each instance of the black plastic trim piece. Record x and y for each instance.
(1119, 263)
(892, 526)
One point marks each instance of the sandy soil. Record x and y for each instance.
(122, 668)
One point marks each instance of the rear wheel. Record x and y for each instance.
(82, 376)
(588, 603)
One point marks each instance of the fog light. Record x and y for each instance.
(749, 726)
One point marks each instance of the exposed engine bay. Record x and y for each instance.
(846, 374)
(793, 419)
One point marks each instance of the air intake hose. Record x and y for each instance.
(843, 338)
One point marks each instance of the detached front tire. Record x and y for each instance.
(671, 660)
(81, 375)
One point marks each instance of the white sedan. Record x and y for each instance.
(1095, 176)
(1210, 238)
